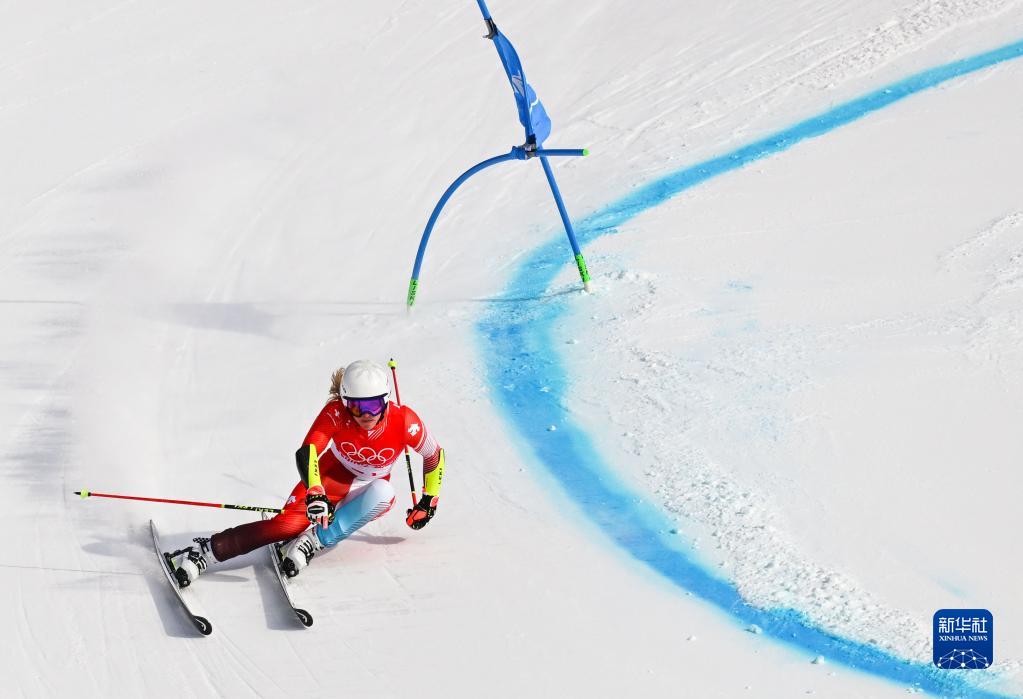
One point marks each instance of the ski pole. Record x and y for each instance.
(252, 508)
(397, 399)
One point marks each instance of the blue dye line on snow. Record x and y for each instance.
(529, 385)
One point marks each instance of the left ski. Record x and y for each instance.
(275, 560)
(201, 623)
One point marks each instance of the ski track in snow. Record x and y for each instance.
(996, 255)
(927, 21)
(519, 350)
(822, 64)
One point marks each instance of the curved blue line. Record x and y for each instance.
(529, 382)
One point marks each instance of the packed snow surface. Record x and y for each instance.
(808, 369)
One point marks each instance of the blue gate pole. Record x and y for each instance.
(584, 273)
(413, 285)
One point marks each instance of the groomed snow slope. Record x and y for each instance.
(206, 209)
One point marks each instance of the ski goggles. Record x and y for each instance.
(366, 406)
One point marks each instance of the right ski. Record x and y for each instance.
(201, 623)
(275, 560)
(304, 616)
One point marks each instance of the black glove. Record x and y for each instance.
(317, 507)
(423, 512)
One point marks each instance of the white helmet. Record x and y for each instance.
(364, 379)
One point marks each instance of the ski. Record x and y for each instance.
(200, 622)
(275, 560)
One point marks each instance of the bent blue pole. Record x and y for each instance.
(516, 153)
(413, 285)
(584, 273)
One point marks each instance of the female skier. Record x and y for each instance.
(345, 467)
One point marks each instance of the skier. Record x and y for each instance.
(345, 467)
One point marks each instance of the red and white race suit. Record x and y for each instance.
(350, 456)
(349, 459)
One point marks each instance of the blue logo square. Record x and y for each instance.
(964, 639)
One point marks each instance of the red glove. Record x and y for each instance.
(423, 512)
(317, 507)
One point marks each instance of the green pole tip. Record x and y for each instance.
(392, 364)
(586, 151)
(83, 493)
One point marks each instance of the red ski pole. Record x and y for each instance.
(252, 508)
(397, 399)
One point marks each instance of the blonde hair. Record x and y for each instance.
(335, 384)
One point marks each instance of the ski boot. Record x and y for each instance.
(296, 554)
(188, 563)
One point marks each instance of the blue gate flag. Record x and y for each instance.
(537, 124)
(532, 115)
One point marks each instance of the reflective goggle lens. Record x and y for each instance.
(366, 406)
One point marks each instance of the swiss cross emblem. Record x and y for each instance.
(413, 429)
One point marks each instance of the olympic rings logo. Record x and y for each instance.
(366, 455)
